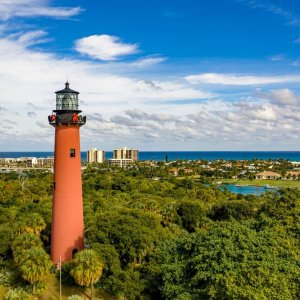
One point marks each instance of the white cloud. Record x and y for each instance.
(208, 126)
(32, 8)
(60, 12)
(104, 47)
(144, 110)
(262, 126)
(263, 113)
(167, 90)
(240, 80)
(283, 97)
(148, 61)
(32, 37)
(29, 79)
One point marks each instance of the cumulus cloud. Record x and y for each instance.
(104, 47)
(150, 84)
(152, 111)
(240, 80)
(212, 125)
(30, 77)
(283, 97)
(129, 122)
(157, 117)
(33, 8)
(95, 117)
(236, 124)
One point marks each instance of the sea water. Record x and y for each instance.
(183, 155)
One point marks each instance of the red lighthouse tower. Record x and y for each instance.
(67, 212)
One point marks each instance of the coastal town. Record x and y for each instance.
(218, 170)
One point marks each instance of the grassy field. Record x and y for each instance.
(257, 182)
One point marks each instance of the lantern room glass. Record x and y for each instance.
(66, 101)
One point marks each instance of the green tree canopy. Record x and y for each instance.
(22, 243)
(191, 213)
(36, 265)
(32, 223)
(86, 267)
(229, 261)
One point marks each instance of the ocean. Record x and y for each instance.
(183, 155)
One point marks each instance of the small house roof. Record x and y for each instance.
(296, 173)
(268, 173)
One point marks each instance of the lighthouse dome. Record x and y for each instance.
(67, 99)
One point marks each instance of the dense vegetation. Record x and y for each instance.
(169, 238)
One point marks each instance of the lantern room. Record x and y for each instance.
(66, 99)
(66, 111)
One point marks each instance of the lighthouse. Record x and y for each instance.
(67, 211)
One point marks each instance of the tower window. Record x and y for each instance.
(72, 152)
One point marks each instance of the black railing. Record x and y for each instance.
(60, 119)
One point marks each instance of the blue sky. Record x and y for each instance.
(154, 75)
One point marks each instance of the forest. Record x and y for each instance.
(173, 238)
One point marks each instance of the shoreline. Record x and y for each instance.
(170, 156)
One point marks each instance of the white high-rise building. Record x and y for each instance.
(124, 157)
(95, 155)
(125, 153)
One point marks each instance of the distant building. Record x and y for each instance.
(123, 163)
(4, 161)
(173, 171)
(119, 153)
(267, 175)
(45, 162)
(123, 157)
(133, 154)
(29, 162)
(95, 155)
(188, 171)
(293, 174)
(125, 153)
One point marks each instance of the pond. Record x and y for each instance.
(247, 189)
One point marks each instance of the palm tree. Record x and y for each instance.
(36, 265)
(33, 223)
(86, 268)
(22, 243)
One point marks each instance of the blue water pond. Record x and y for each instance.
(247, 189)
